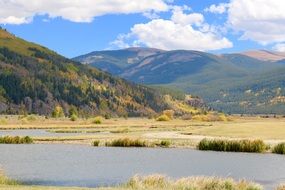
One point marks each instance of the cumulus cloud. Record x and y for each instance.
(22, 11)
(182, 31)
(179, 17)
(218, 9)
(262, 21)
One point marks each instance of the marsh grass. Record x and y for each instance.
(257, 146)
(279, 149)
(127, 142)
(16, 140)
(154, 182)
(159, 182)
(96, 143)
(164, 143)
(6, 181)
(121, 130)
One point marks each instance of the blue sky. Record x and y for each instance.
(194, 26)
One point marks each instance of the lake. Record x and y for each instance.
(79, 165)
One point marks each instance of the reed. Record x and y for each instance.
(6, 181)
(257, 146)
(279, 149)
(96, 143)
(159, 182)
(127, 142)
(16, 140)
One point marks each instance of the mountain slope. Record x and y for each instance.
(265, 55)
(34, 79)
(115, 61)
(222, 81)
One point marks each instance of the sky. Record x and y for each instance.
(76, 27)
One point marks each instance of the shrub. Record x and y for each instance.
(126, 142)
(57, 112)
(72, 111)
(96, 143)
(107, 116)
(97, 120)
(16, 140)
(169, 113)
(164, 143)
(73, 117)
(163, 117)
(279, 148)
(232, 145)
(31, 118)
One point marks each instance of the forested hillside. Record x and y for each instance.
(34, 79)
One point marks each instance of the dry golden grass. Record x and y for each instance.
(182, 133)
(157, 182)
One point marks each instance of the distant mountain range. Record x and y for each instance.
(247, 82)
(34, 79)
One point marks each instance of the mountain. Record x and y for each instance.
(223, 81)
(115, 61)
(265, 55)
(34, 79)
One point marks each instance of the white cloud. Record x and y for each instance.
(182, 31)
(22, 11)
(279, 47)
(217, 9)
(262, 21)
(180, 17)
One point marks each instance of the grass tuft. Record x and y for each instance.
(6, 181)
(16, 140)
(96, 143)
(164, 143)
(159, 182)
(257, 146)
(126, 142)
(279, 149)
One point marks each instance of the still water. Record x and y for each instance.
(78, 165)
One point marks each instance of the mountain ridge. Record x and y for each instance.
(218, 79)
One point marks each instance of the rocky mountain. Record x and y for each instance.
(223, 81)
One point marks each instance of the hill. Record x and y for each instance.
(34, 79)
(221, 80)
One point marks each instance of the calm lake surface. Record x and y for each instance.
(78, 165)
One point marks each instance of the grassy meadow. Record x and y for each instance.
(175, 132)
